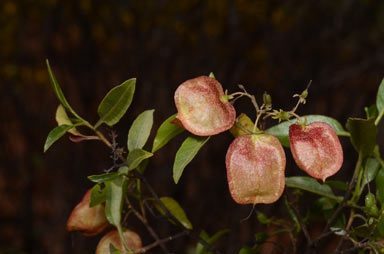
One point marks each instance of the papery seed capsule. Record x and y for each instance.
(112, 237)
(316, 149)
(203, 108)
(88, 220)
(255, 169)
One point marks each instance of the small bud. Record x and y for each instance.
(304, 94)
(267, 100)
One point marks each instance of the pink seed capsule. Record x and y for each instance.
(88, 220)
(255, 169)
(112, 237)
(203, 108)
(316, 149)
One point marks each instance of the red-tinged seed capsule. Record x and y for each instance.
(88, 220)
(316, 149)
(255, 169)
(112, 237)
(203, 108)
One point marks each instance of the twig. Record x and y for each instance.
(169, 215)
(160, 242)
(149, 228)
(157, 198)
(301, 222)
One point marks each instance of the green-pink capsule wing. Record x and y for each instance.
(316, 149)
(202, 107)
(255, 169)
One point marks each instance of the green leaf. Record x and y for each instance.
(142, 166)
(103, 177)
(248, 250)
(135, 157)
(281, 131)
(59, 93)
(114, 202)
(340, 185)
(262, 218)
(292, 214)
(186, 153)
(200, 249)
(211, 75)
(55, 134)
(217, 235)
(363, 134)
(323, 204)
(113, 249)
(165, 133)
(63, 119)
(261, 237)
(371, 111)
(311, 185)
(380, 227)
(98, 195)
(117, 101)
(176, 210)
(372, 166)
(380, 97)
(380, 187)
(140, 129)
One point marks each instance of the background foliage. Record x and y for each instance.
(94, 45)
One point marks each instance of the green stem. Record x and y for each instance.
(256, 122)
(357, 174)
(99, 134)
(356, 193)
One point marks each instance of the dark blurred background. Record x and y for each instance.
(266, 45)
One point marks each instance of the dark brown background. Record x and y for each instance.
(275, 46)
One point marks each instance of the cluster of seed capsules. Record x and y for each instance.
(256, 162)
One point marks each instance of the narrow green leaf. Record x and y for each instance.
(98, 194)
(186, 153)
(281, 131)
(140, 129)
(363, 134)
(218, 235)
(380, 186)
(211, 75)
(200, 249)
(103, 177)
(165, 133)
(59, 93)
(311, 185)
(114, 202)
(117, 101)
(135, 157)
(55, 134)
(380, 97)
(176, 210)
